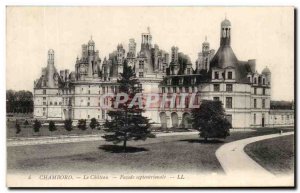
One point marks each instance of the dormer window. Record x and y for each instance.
(216, 75)
(229, 75)
(188, 71)
(255, 80)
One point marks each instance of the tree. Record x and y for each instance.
(94, 123)
(126, 122)
(36, 126)
(52, 126)
(82, 124)
(26, 123)
(19, 102)
(18, 128)
(68, 124)
(210, 120)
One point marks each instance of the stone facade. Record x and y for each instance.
(244, 92)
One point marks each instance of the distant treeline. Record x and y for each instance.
(282, 105)
(19, 101)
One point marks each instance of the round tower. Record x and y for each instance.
(266, 71)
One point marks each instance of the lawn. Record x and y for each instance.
(276, 155)
(186, 153)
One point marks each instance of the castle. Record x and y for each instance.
(75, 95)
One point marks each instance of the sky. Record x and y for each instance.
(265, 34)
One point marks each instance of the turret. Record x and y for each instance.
(50, 69)
(266, 71)
(146, 40)
(225, 33)
(91, 47)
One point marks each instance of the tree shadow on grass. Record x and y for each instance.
(119, 149)
(209, 141)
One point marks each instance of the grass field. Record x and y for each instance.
(170, 153)
(276, 155)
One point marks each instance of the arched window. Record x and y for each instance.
(255, 81)
(264, 81)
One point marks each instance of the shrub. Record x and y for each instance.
(18, 128)
(94, 123)
(36, 126)
(52, 126)
(82, 124)
(68, 125)
(26, 122)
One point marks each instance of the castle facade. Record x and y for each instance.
(244, 92)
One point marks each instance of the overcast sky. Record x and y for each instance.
(264, 34)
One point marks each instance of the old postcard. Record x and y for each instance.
(150, 96)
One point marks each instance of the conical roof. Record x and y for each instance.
(224, 57)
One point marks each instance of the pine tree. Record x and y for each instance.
(210, 120)
(126, 122)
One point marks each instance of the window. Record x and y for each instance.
(88, 104)
(188, 71)
(181, 81)
(254, 119)
(264, 81)
(163, 90)
(44, 103)
(141, 64)
(216, 75)
(216, 87)
(187, 89)
(174, 89)
(103, 114)
(255, 81)
(216, 98)
(229, 102)
(50, 103)
(88, 116)
(255, 103)
(141, 74)
(255, 91)
(264, 91)
(103, 90)
(99, 104)
(263, 104)
(229, 87)
(44, 91)
(229, 75)
(55, 103)
(249, 79)
(44, 98)
(89, 92)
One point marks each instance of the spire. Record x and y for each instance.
(148, 29)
